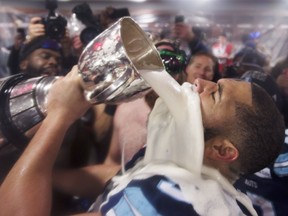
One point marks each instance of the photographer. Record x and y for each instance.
(36, 28)
(54, 25)
(83, 27)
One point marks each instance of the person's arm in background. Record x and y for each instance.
(103, 122)
(28, 187)
(114, 153)
(85, 182)
(89, 181)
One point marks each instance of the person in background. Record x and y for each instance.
(41, 56)
(202, 65)
(254, 39)
(246, 59)
(250, 51)
(280, 73)
(37, 29)
(13, 59)
(223, 50)
(173, 58)
(83, 27)
(192, 37)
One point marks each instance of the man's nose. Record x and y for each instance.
(201, 71)
(53, 60)
(204, 85)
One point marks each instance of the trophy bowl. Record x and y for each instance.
(110, 63)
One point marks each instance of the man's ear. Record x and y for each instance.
(222, 150)
(23, 65)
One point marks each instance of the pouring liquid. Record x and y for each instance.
(175, 130)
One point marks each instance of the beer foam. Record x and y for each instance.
(175, 129)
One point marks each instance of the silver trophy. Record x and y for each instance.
(109, 68)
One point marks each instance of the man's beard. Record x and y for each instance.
(35, 72)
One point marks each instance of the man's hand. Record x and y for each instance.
(66, 98)
(35, 28)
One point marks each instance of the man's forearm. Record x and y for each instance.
(27, 188)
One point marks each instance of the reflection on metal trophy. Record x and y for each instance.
(22, 107)
(110, 63)
(109, 68)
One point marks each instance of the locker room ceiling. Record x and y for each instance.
(159, 13)
(170, 7)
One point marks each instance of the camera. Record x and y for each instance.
(55, 25)
(84, 24)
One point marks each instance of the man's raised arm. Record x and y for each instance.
(27, 188)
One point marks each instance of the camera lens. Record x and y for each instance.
(54, 29)
(55, 26)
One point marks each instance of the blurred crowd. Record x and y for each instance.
(112, 134)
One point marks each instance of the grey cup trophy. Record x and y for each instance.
(108, 66)
(110, 63)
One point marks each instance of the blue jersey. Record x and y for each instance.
(268, 189)
(158, 194)
(148, 197)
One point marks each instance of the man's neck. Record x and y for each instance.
(229, 173)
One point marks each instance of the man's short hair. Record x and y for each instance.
(258, 132)
(42, 42)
